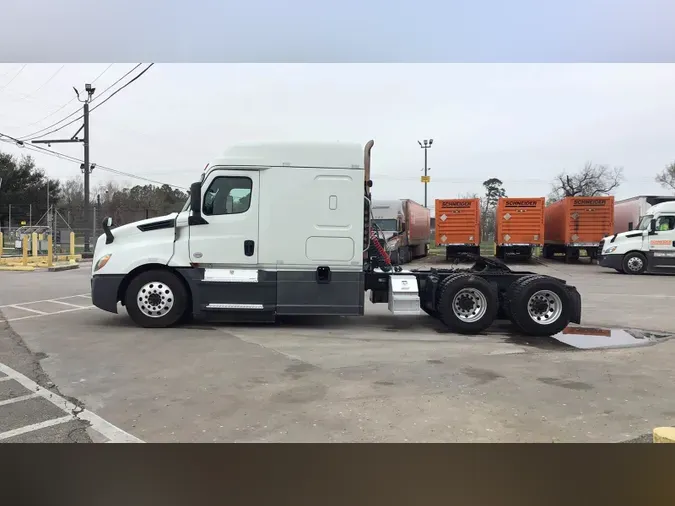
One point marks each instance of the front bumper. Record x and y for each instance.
(104, 290)
(611, 261)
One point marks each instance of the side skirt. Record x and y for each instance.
(252, 295)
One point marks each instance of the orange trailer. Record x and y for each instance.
(577, 223)
(458, 225)
(519, 226)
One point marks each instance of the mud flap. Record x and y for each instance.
(575, 300)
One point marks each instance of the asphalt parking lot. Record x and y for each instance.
(378, 378)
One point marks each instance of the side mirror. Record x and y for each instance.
(652, 226)
(196, 197)
(196, 204)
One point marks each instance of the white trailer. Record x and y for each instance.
(649, 248)
(285, 229)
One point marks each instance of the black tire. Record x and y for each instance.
(506, 307)
(429, 294)
(547, 253)
(634, 263)
(453, 286)
(394, 257)
(162, 283)
(523, 292)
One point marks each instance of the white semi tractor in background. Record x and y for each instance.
(286, 229)
(648, 248)
(404, 228)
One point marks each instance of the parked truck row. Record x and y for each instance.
(522, 224)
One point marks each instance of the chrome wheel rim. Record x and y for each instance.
(635, 264)
(544, 307)
(469, 305)
(155, 299)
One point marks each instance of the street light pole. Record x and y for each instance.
(425, 145)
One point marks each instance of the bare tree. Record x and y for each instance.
(590, 181)
(666, 177)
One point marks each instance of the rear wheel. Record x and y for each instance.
(634, 263)
(467, 304)
(539, 305)
(156, 299)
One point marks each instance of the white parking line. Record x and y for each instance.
(110, 431)
(65, 303)
(28, 309)
(80, 308)
(5, 378)
(47, 300)
(18, 399)
(35, 426)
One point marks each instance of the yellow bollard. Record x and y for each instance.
(72, 246)
(34, 247)
(2, 244)
(50, 251)
(24, 250)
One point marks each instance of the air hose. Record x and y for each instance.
(379, 248)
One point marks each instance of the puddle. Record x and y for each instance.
(590, 338)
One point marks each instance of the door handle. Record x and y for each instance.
(249, 248)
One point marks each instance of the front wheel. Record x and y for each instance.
(634, 263)
(156, 299)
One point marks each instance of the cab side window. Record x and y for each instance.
(228, 195)
(665, 223)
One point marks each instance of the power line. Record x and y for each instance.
(15, 76)
(120, 89)
(44, 84)
(68, 103)
(39, 149)
(40, 132)
(115, 83)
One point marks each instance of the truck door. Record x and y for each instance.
(230, 208)
(662, 244)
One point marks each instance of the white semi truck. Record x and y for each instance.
(285, 229)
(649, 248)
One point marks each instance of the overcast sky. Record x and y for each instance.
(522, 123)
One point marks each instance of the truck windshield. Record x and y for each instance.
(644, 222)
(186, 207)
(387, 225)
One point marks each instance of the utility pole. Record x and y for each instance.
(425, 145)
(86, 167)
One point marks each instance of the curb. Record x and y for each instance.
(17, 268)
(664, 435)
(66, 267)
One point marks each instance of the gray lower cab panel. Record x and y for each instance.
(283, 293)
(302, 293)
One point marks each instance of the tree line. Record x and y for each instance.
(27, 189)
(30, 191)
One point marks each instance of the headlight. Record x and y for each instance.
(101, 262)
(609, 250)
